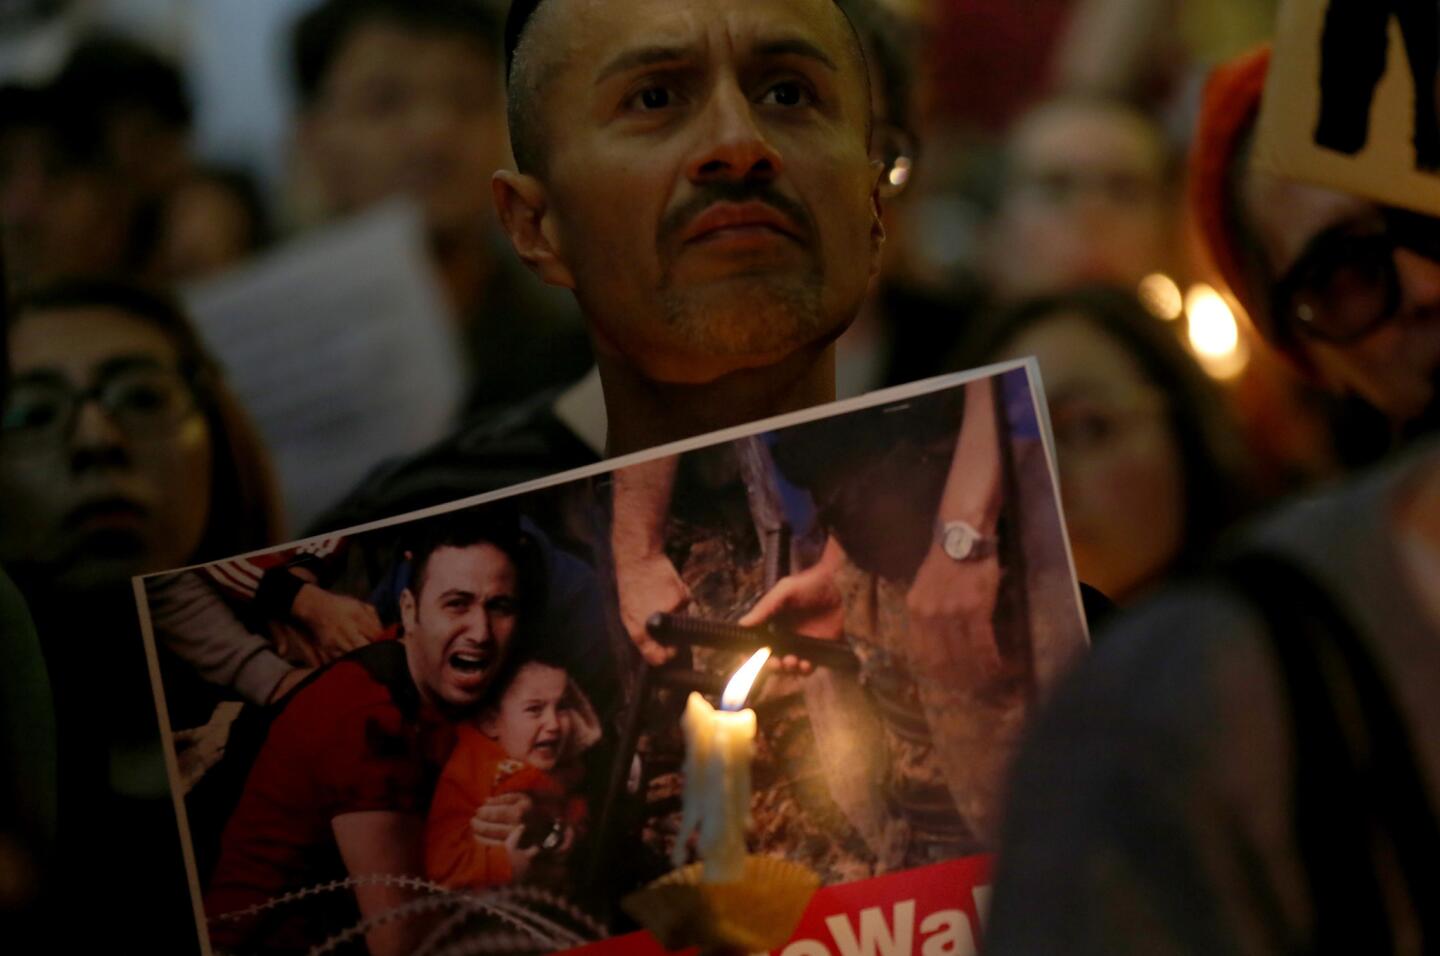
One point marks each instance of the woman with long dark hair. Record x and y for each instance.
(1151, 467)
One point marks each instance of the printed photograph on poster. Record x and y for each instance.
(1350, 101)
(461, 730)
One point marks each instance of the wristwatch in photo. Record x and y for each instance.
(962, 541)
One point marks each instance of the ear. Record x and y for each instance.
(877, 224)
(524, 209)
(408, 616)
(488, 723)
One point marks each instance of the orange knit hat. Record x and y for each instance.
(1228, 112)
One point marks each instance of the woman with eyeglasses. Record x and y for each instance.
(1151, 467)
(121, 453)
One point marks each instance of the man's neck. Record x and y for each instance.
(643, 413)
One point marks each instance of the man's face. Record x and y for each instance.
(709, 188)
(1085, 202)
(458, 628)
(1396, 366)
(409, 113)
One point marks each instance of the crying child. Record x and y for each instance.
(527, 742)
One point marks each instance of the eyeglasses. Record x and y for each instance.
(144, 402)
(1345, 285)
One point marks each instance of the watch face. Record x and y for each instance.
(959, 540)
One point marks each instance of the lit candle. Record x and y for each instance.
(718, 748)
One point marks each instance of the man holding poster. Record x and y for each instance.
(699, 175)
(717, 218)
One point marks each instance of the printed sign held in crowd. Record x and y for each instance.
(473, 745)
(1350, 102)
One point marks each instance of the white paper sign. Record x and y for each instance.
(341, 347)
(1350, 100)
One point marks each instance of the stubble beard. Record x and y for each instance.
(762, 303)
(747, 314)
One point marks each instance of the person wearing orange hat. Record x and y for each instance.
(1346, 288)
(1245, 763)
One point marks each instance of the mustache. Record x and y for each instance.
(675, 221)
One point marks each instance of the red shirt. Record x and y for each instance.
(357, 738)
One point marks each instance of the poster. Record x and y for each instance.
(1350, 101)
(495, 674)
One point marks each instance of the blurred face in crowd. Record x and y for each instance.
(1336, 252)
(458, 627)
(409, 112)
(1121, 476)
(706, 188)
(204, 230)
(149, 153)
(105, 471)
(55, 217)
(535, 721)
(1084, 201)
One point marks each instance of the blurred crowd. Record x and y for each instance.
(1038, 158)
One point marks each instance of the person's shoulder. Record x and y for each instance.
(1345, 519)
(1155, 704)
(1166, 654)
(1178, 692)
(474, 747)
(518, 443)
(346, 689)
(1341, 538)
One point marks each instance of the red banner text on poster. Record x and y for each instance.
(930, 911)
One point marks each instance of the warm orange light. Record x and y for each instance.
(739, 687)
(1159, 293)
(1213, 332)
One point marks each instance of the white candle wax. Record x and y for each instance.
(718, 748)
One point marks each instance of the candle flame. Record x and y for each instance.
(1214, 333)
(739, 687)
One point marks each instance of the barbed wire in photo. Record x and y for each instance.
(512, 919)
